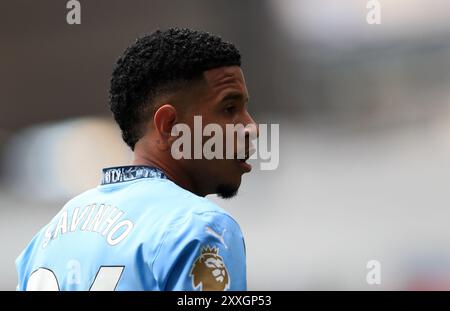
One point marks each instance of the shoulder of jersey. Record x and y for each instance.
(82, 198)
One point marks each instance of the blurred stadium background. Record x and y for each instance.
(364, 114)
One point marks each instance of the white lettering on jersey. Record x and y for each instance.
(62, 225)
(124, 223)
(98, 218)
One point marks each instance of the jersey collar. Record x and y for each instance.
(113, 175)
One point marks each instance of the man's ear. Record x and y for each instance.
(164, 120)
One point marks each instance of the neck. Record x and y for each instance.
(172, 171)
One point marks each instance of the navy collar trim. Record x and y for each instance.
(113, 175)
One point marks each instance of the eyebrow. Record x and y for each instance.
(235, 97)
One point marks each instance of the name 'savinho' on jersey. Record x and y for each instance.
(99, 218)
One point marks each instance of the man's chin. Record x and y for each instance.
(227, 191)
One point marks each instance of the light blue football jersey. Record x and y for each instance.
(138, 230)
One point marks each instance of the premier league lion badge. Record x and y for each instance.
(209, 272)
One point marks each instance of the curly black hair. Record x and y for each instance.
(159, 63)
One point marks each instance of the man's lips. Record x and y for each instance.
(246, 167)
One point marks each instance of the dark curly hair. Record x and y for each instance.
(159, 63)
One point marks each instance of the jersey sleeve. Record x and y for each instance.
(206, 252)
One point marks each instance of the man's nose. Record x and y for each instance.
(251, 128)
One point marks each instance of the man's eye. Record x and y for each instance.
(230, 109)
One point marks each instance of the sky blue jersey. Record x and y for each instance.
(136, 231)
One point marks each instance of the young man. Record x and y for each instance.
(148, 226)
